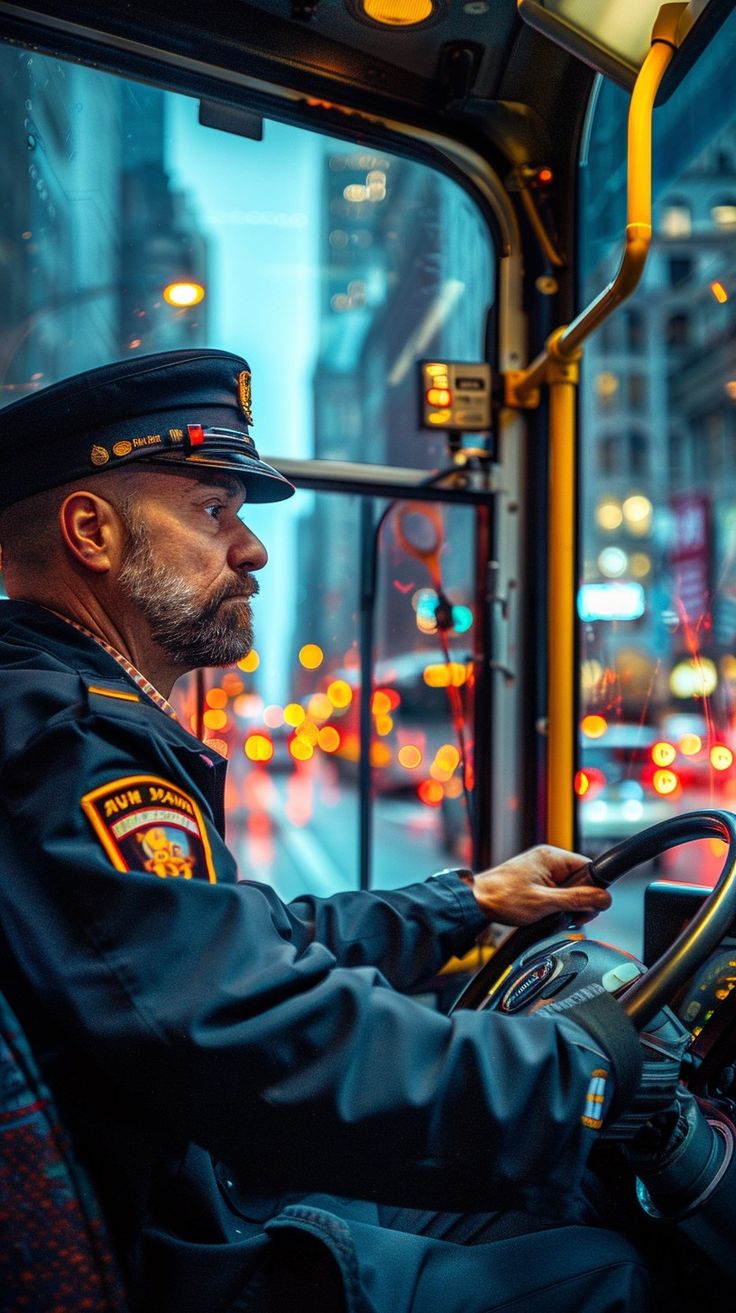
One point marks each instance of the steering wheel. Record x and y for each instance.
(550, 965)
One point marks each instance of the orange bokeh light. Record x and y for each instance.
(380, 702)
(215, 719)
(311, 656)
(665, 782)
(721, 757)
(294, 714)
(594, 727)
(340, 693)
(216, 697)
(328, 739)
(250, 662)
(409, 756)
(663, 754)
(300, 749)
(431, 792)
(380, 755)
(258, 747)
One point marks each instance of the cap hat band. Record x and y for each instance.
(186, 405)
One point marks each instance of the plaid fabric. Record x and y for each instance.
(54, 1252)
(144, 684)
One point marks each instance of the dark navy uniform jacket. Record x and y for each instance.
(227, 1062)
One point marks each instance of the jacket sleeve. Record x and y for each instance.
(407, 933)
(222, 1017)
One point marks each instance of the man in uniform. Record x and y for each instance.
(270, 1123)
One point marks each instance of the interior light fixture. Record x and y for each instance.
(398, 13)
(614, 36)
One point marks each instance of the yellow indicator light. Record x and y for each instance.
(340, 693)
(294, 714)
(183, 294)
(721, 757)
(690, 745)
(594, 727)
(436, 370)
(665, 781)
(397, 13)
(311, 656)
(409, 756)
(328, 739)
(258, 747)
(719, 292)
(663, 754)
(439, 416)
(439, 397)
(250, 662)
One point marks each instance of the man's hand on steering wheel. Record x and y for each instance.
(529, 887)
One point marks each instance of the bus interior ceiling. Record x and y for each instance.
(475, 72)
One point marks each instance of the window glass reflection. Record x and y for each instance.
(132, 222)
(658, 495)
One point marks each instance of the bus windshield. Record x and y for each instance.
(136, 219)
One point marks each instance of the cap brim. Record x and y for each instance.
(262, 482)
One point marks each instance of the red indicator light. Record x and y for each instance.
(545, 176)
(196, 434)
(439, 397)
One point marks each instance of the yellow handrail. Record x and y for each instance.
(557, 366)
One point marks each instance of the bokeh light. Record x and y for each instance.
(250, 662)
(311, 656)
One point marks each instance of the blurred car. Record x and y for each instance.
(615, 785)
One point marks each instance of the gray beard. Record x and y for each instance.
(191, 634)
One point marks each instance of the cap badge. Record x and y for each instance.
(123, 448)
(244, 394)
(99, 456)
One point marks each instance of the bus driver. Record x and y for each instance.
(270, 1123)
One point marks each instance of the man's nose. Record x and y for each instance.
(246, 551)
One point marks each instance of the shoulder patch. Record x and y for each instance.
(147, 823)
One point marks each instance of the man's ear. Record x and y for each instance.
(92, 530)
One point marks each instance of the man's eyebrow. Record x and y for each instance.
(233, 487)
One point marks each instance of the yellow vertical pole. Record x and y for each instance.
(558, 366)
(561, 625)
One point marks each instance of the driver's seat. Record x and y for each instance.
(54, 1251)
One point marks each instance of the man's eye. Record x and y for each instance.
(214, 509)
